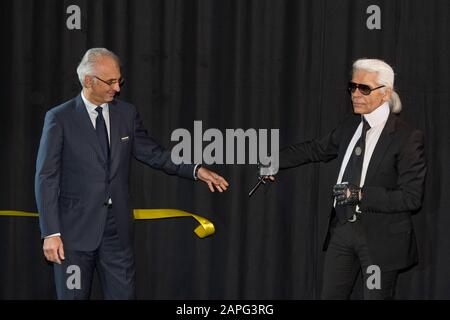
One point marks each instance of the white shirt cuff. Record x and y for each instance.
(195, 169)
(53, 235)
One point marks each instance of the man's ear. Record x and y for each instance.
(387, 94)
(88, 81)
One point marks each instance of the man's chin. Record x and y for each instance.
(358, 110)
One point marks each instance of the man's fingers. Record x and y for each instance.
(340, 186)
(213, 180)
(61, 252)
(52, 256)
(53, 249)
(55, 256)
(47, 255)
(340, 189)
(216, 182)
(216, 178)
(56, 259)
(338, 193)
(340, 196)
(223, 182)
(220, 183)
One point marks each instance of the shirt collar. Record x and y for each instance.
(378, 116)
(90, 106)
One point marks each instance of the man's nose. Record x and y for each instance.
(356, 93)
(116, 87)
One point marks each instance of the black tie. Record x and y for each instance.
(352, 173)
(102, 133)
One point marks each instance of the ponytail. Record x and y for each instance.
(394, 103)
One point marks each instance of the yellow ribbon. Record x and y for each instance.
(18, 213)
(203, 230)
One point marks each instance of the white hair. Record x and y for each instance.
(385, 77)
(89, 60)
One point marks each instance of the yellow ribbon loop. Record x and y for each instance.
(203, 230)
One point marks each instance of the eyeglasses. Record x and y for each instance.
(363, 88)
(121, 81)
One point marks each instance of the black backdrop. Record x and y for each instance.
(231, 64)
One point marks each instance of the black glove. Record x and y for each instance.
(340, 193)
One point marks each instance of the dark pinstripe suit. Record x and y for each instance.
(74, 182)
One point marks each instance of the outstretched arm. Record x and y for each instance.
(150, 152)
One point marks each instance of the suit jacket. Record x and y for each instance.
(392, 190)
(73, 181)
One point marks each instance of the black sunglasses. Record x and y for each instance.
(363, 88)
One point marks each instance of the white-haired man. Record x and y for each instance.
(81, 183)
(379, 184)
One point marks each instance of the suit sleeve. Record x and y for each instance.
(407, 196)
(323, 149)
(48, 174)
(148, 151)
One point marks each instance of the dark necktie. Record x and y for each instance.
(102, 133)
(352, 173)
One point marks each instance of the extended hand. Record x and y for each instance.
(347, 194)
(54, 249)
(212, 179)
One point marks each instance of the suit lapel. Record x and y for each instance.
(380, 149)
(86, 128)
(114, 123)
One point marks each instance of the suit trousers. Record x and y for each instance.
(114, 265)
(346, 256)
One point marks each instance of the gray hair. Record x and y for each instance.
(385, 77)
(89, 60)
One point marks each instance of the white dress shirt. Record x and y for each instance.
(377, 120)
(90, 107)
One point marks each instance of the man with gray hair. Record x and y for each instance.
(379, 185)
(81, 183)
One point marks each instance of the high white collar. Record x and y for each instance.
(378, 116)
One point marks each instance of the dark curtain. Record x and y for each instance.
(231, 64)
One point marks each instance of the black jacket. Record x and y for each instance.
(393, 187)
